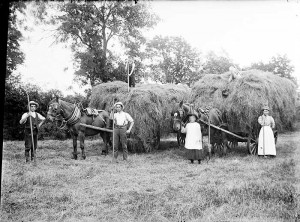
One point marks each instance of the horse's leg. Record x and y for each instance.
(225, 143)
(81, 138)
(74, 147)
(105, 139)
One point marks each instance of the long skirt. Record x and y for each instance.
(266, 141)
(193, 154)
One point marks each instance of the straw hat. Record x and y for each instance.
(265, 108)
(119, 103)
(192, 114)
(34, 103)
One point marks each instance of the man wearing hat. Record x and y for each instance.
(35, 118)
(193, 140)
(266, 141)
(121, 121)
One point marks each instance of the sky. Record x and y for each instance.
(249, 31)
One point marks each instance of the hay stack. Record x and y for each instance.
(246, 96)
(149, 105)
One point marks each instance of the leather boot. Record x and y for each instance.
(26, 156)
(32, 155)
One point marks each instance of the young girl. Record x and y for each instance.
(266, 141)
(193, 140)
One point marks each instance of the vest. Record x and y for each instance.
(34, 124)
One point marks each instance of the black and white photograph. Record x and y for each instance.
(151, 111)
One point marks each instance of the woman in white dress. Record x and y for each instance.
(193, 140)
(266, 140)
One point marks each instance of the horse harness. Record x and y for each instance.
(94, 113)
(76, 114)
(71, 119)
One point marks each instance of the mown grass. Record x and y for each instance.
(160, 186)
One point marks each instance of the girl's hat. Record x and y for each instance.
(265, 108)
(192, 114)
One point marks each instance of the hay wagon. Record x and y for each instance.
(241, 100)
(235, 136)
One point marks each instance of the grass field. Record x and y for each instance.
(160, 186)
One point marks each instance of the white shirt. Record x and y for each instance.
(193, 138)
(122, 118)
(34, 116)
(266, 121)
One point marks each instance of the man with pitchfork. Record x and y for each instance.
(31, 126)
(121, 129)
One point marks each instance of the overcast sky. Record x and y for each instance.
(249, 31)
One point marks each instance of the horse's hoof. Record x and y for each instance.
(74, 157)
(83, 157)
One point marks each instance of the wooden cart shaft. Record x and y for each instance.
(226, 131)
(96, 128)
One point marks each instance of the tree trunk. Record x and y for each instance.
(104, 53)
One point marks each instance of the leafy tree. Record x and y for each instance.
(217, 64)
(173, 60)
(14, 55)
(92, 26)
(16, 104)
(279, 65)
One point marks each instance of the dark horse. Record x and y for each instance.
(72, 116)
(218, 138)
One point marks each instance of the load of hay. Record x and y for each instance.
(150, 106)
(242, 98)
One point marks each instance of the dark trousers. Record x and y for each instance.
(28, 144)
(120, 138)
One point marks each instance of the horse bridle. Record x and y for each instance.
(71, 119)
(178, 116)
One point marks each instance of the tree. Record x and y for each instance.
(279, 65)
(92, 26)
(217, 64)
(15, 56)
(173, 60)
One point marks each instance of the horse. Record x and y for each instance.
(218, 138)
(71, 116)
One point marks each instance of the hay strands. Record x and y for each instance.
(226, 131)
(96, 128)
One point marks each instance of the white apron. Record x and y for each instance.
(266, 141)
(193, 138)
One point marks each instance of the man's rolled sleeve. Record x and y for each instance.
(129, 118)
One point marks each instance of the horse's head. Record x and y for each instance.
(177, 120)
(179, 114)
(203, 115)
(54, 109)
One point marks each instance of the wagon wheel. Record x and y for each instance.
(252, 145)
(230, 143)
(222, 149)
(180, 139)
(217, 148)
(233, 144)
